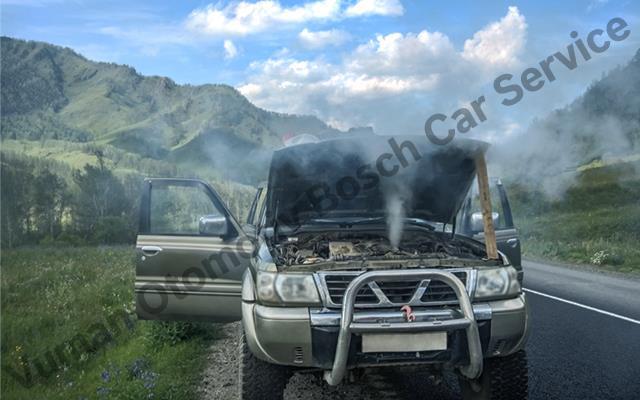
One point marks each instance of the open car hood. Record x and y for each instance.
(370, 177)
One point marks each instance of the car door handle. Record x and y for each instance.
(512, 242)
(151, 250)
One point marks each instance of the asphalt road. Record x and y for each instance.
(584, 344)
(577, 352)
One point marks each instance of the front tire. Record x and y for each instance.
(503, 378)
(259, 380)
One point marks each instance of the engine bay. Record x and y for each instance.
(306, 249)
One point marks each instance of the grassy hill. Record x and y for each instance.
(50, 92)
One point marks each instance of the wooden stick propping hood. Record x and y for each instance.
(485, 204)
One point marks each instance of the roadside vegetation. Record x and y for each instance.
(597, 220)
(87, 196)
(68, 331)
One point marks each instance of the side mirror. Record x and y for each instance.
(477, 225)
(213, 225)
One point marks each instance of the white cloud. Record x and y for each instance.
(499, 43)
(291, 70)
(375, 7)
(319, 39)
(251, 90)
(230, 50)
(394, 81)
(363, 85)
(245, 18)
(403, 54)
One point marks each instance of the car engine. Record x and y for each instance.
(311, 249)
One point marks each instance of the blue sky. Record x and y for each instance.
(385, 63)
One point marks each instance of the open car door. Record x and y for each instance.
(191, 254)
(470, 222)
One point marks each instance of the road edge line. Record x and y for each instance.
(610, 314)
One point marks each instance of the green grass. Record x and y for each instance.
(52, 295)
(597, 221)
(578, 237)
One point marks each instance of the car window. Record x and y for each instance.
(177, 209)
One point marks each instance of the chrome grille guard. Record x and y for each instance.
(347, 326)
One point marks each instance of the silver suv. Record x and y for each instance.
(357, 253)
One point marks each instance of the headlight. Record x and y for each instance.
(287, 288)
(497, 282)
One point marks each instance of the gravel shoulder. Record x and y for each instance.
(220, 377)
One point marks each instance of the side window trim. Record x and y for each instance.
(254, 205)
(145, 208)
(261, 214)
(506, 207)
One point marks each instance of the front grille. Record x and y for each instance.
(337, 285)
(438, 291)
(397, 293)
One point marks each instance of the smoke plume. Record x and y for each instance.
(395, 218)
(602, 124)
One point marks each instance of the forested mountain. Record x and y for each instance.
(50, 92)
(77, 134)
(604, 121)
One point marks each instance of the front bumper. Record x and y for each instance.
(330, 339)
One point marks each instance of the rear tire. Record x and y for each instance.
(503, 378)
(259, 380)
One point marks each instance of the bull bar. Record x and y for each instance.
(347, 326)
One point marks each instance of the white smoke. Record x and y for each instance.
(395, 218)
(398, 196)
(603, 124)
